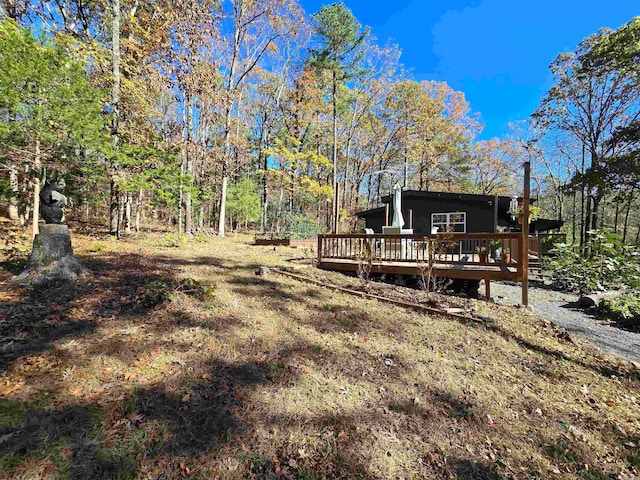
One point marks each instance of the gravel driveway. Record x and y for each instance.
(552, 306)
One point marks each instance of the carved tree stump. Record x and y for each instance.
(52, 257)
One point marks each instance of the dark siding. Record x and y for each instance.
(479, 213)
(375, 221)
(479, 210)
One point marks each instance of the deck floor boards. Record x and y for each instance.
(489, 271)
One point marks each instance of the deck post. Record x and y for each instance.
(524, 259)
(320, 237)
(487, 288)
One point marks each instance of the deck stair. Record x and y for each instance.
(535, 267)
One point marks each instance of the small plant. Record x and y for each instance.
(173, 240)
(365, 255)
(518, 212)
(96, 246)
(625, 308)
(201, 238)
(431, 249)
(194, 288)
(606, 263)
(155, 292)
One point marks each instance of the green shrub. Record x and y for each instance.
(173, 240)
(301, 226)
(605, 262)
(96, 246)
(156, 292)
(201, 238)
(626, 307)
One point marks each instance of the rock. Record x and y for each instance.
(594, 299)
(51, 258)
(263, 271)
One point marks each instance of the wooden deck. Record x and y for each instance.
(448, 255)
(465, 271)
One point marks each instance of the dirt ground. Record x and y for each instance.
(173, 359)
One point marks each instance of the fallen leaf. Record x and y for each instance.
(10, 388)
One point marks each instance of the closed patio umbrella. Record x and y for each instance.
(398, 219)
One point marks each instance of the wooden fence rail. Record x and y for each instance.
(453, 248)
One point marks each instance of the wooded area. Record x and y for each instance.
(214, 115)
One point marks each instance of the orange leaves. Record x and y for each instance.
(8, 387)
(185, 470)
(36, 363)
(48, 470)
(76, 391)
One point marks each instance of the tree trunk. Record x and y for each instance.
(279, 210)
(13, 199)
(115, 121)
(406, 159)
(582, 202)
(573, 225)
(225, 172)
(85, 202)
(121, 201)
(188, 208)
(36, 189)
(626, 215)
(188, 204)
(265, 196)
(51, 258)
(345, 183)
(238, 14)
(138, 210)
(127, 213)
(336, 207)
(587, 215)
(180, 197)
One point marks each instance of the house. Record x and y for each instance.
(428, 212)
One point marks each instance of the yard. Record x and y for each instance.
(181, 362)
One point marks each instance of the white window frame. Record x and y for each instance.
(449, 222)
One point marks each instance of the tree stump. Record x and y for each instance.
(52, 258)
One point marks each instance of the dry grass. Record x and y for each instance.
(183, 362)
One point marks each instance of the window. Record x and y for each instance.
(449, 222)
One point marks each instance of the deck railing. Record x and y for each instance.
(442, 248)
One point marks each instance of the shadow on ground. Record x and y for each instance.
(203, 418)
(41, 429)
(34, 324)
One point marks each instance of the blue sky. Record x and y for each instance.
(495, 51)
